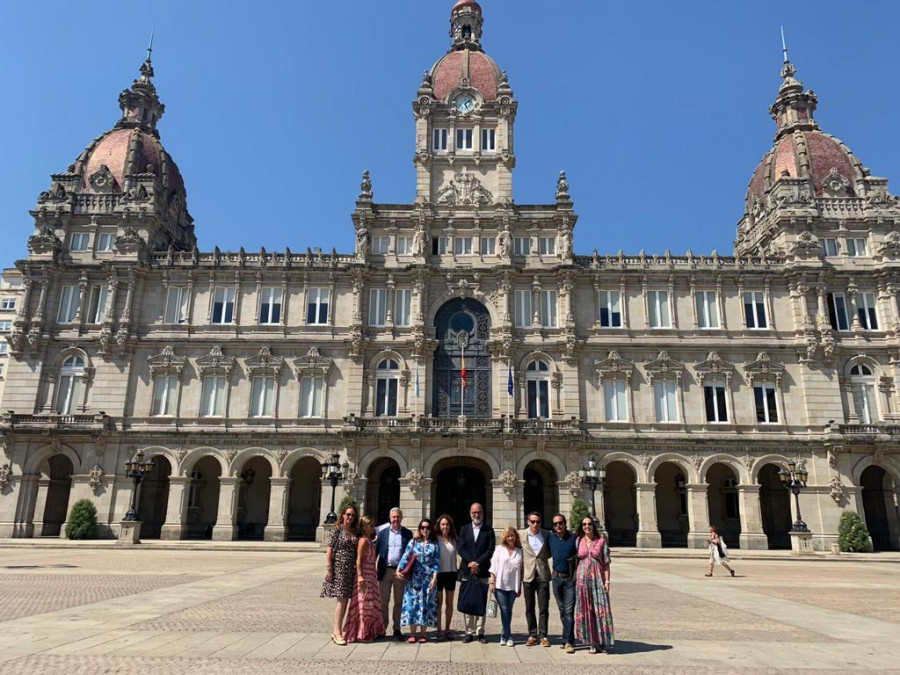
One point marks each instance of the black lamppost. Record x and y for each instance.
(331, 471)
(794, 480)
(137, 470)
(592, 477)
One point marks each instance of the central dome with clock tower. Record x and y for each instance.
(465, 112)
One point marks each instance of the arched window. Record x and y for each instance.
(537, 379)
(862, 388)
(387, 380)
(70, 392)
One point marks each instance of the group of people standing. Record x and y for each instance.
(367, 568)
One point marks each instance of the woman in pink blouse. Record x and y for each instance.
(506, 579)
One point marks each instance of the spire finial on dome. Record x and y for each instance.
(793, 108)
(140, 104)
(465, 25)
(147, 65)
(787, 68)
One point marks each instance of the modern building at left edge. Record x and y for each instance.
(693, 379)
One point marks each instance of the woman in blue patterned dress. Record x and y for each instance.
(420, 595)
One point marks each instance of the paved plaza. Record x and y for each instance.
(77, 610)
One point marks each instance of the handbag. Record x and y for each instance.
(491, 608)
(721, 552)
(472, 597)
(408, 568)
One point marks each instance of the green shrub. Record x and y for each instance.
(82, 522)
(345, 502)
(853, 537)
(580, 510)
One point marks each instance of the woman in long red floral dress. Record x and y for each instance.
(364, 621)
(593, 614)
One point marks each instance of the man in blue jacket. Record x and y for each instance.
(389, 547)
(476, 548)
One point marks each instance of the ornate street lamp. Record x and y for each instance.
(794, 480)
(592, 477)
(137, 470)
(331, 472)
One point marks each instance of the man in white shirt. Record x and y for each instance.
(389, 547)
(536, 578)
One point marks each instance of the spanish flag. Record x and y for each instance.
(462, 373)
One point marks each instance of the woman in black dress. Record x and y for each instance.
(340, 560)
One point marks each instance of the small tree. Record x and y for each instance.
(345, 502)
(82, 523)
(853, 537)
(580, 510)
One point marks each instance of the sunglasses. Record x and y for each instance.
(587, 524)
(534, 522)
(424, 527)
(558, 523)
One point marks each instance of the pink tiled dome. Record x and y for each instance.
(483, 73)
(114, 150)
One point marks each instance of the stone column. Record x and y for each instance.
(17, 505)
(225, 528)
(752, 535)
(40, 504)
(279, 493)
(505, 505)
(176, 508)
(698, 514)
(648, 535)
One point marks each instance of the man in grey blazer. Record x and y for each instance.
(536, 578)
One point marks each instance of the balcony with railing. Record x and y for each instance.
(19, 421)
(465, 425)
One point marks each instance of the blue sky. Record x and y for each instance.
(657, 110)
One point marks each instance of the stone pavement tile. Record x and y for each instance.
(211, 645)
(243, 646)
(306, 647)
(88, 642)
(400, 651)
(333, 652)
(373, 651)
(536, 654)
(435, 651)
(276, 646)
(113, 646)
(881, 603)
(182, 642)
(156, 640)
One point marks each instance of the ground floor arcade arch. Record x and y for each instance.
(458, 482)
(879, 498)
(620, 504)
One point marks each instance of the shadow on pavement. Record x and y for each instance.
(631, 647)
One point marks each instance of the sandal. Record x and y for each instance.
(338, 640)
(707, 575)
(592, 650)
(412, 640)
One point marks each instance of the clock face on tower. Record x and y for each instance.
(465, 104)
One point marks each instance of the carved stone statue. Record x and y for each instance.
(504, 243)
(420, 241)
(565, 243)
(362, 243)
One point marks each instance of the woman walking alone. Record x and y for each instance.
(340, 568)
(364, 622)
(593, 614)
(446, 580)
(718, 552)
(420, 595)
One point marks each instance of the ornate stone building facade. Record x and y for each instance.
(693, 379)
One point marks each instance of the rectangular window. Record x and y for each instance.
(380, 245)
(548, 309)
(69, 303)
(312, 396)
(165, 391)
(864, 402)
(5, 327)
(522, 245)
(270, 306)
(488, 140)
(614, 401)
(837, 311)
(439, 245)
(830, 246)
(176, 305)
(105, 242)
(223, 305)
(766, 408)
(439, 140)
(488, 246)
(97, 304)
(664, 401)
(658, 307)
(8, 303)
(547, 245)
(755, 309)
(523, 309)
(317, 306)
(386, 397)
(462, 245)
(262, 396)
(716, 408)
(402, 307)
(464, 139)
(80, 241)
(1, 365)
(404, 245)
(377, 307)
(865, 309)
(213, 396)
(856, 247)
(610, 309)
(538, 399)
(70, 394)
(3, 346)
(707, 309)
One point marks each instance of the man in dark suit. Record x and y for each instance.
(389, 547)
(476, 548)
